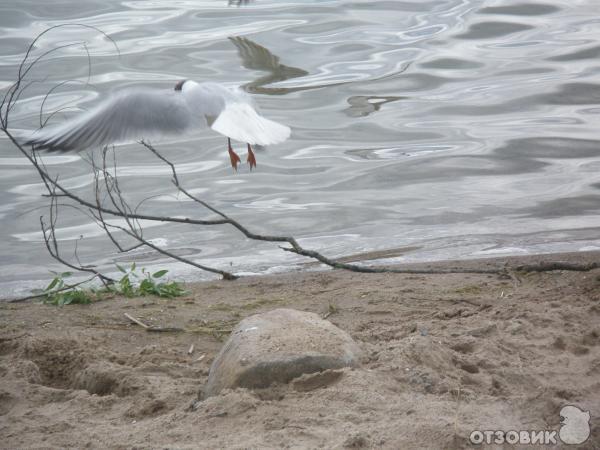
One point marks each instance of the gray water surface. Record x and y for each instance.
(460, 128)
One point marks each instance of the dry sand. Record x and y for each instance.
(447, 354)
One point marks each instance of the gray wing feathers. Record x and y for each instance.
(137, 114)
(126, 116)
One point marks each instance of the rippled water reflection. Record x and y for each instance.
(462, 128)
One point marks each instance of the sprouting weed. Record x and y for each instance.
(59, 293)
(133, 283)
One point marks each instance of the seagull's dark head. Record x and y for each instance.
(179, 85)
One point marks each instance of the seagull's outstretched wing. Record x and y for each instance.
(129, 115)
(241, 122)
(232, 113)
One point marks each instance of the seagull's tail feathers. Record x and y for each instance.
(241, 122)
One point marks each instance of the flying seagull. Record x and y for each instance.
(135, 114)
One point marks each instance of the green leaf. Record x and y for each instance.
(121, 268)
(146, 287)
(160, 273)
(126, 288)
(66, 274)
(52, 284)
(132, 267)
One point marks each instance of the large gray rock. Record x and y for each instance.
(279, 346)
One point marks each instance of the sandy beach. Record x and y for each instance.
(445, 355)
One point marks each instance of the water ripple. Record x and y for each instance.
(460, 128)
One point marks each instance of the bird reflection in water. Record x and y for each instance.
(257, 57)
(237, 2)
(362, 105)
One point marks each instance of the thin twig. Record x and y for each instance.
(548, 266)
(295, 246)
(49, 236)
(158, 329)
(137, 321)
(54, 291)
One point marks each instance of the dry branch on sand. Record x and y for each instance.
(108, 201)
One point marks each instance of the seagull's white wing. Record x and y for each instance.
(231, 113)
(241, 122)
(126, 116)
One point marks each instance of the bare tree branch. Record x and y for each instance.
(66, 287)
(49, 235)
(547, 266)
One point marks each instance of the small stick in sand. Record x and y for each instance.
(165, 329)
(136, 321)
(191, 349)
(201, 357)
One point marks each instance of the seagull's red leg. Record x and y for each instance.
(251, 158)
(233, 156)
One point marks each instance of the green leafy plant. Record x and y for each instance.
(59, 293)
(133, 283)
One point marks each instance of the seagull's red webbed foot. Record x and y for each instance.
(251, 158)
(233, 156)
